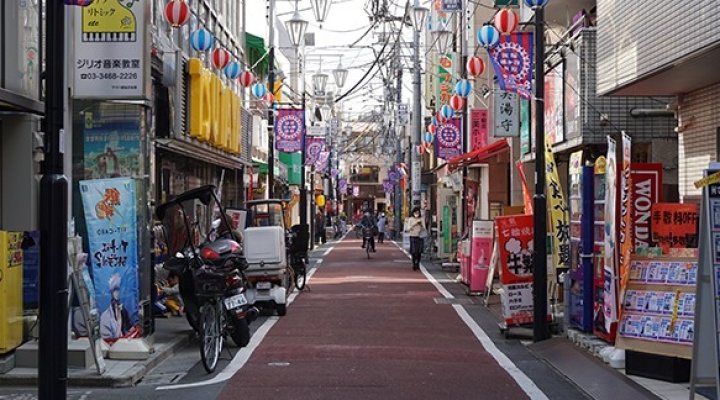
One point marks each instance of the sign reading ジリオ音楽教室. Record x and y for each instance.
(111, 50)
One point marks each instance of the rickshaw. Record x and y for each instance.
(275, 255)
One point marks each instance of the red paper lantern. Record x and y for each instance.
(269, 99)
(432, 129)
(80, 3)
(506, 21)
(475, 66)
(177, 13)
(220, 58)
(440, 119)
(246, 78)
(457, 103)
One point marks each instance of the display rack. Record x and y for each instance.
(599, 187)
(581, 242)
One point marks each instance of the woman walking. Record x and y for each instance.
(414, 226)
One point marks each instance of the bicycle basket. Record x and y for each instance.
(210, 281)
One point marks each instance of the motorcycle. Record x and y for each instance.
(212, 281)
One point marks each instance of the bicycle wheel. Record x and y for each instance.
(367, 248)
(210, 336)
(300, 274)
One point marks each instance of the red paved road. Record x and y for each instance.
(370, 329)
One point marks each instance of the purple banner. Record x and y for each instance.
(314, 145)
(289, 130)
(356, 190)
(322, 161)
(512, 60)
(388, 186)
(342, 185)
(449, 139)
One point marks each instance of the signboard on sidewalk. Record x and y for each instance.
(675, 225)
(481, 250)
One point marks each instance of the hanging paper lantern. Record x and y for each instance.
(232, 70)
(428, 137)
(488, 36)
(440, 119)
(420, 149)
(428, 147)
(457, 103)
(432, 129)
(433, 121)
(220, 58)
(79, 3)
(475, 66)
(259, 90)
(463, 88)
(446, 111)
(246, 78)
(506, 21)
(268, 98)
(201, 40)
(177, 13)
(536, 3)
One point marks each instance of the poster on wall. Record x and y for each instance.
(554, 123)
(572, 95)
(473, 191)
(675, 225)
(110, 50)
(111, 147)
(609, 267)
(109, 206)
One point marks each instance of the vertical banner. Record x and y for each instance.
(554, 118)
(446, 84)
(481, 250)
(646, 191)
(322, 161)
(110, 213)
(473, 188)
(478, 128)
(447, 244)
(609, 273)
(313, 147)
(512, 60)
(626, 240)
(675, 225)
(449, 139)
(342, 185)
(289, 130)
(524, 127)
(356, 190)
(572, 95)
(110, 50)
(527, 198)
(557, 212)
(506, 114)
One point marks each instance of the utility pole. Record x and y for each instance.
(398, 142)
(416, 164)
(52, 371)
(271, 109)
(540, 326)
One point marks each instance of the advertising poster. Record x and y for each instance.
(314, 145)
(478, 128)
(473, 188)
(109, 206)
(506, 114)
(480, 253)
(512, 60)
(449, 139)
(111, 147)
(289, 130)
(110, 54)
(554, 119)
(572, 95)
(609, 268)
(646, 191)
(626, 240)
(558, 212)
(674, 225)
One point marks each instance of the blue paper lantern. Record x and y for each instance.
(232, 70)
(463, 88)
(446, 111)
(259, 90)
(488, 36)
(536, 3)
(201, 40)
(428, 137)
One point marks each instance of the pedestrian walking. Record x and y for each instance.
(381, 227)
(320, 228)
(415, 228)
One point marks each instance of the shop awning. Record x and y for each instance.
(209, 156)
(479, 155)
(255, 51)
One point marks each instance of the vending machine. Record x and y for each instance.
(11, 291)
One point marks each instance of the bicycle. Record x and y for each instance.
(369, 238)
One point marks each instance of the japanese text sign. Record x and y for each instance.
(506, 114)
(478, 128)
(512, 59)
(674, 225)
(449, 139)
(515, 241)
(445, 81)
(646, 191)
(558, 216)
(290, 130)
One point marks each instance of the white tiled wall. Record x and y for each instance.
(638, 37)
(700, 114)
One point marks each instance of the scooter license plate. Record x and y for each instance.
(264, 285)
(235, 301)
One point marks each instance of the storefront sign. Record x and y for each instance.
(314, 145)
(478, 128)
(646, 191)
(111, 147)
(110, 50)
(610, 272)
(626, 240)
(572, 95)
(512, 60)
(214, 109)
(515, 237)
(506, 114)
(559, 220)
(446, 83)
(109, 206)
(449, 139)
(451, 5)
(289, 130)
(674, 225)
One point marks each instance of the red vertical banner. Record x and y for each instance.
(478, 128)
(646, 191)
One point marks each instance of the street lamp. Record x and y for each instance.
(419, 15)
(326, 113)
(319, 82)
(340, 75)
(296, 27)
(320, 9)
(443, 40)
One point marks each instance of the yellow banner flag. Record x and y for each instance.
(557, 212)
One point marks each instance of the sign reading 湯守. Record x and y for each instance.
(110, 50)
(507, 114)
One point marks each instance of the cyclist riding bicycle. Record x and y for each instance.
(369, 226)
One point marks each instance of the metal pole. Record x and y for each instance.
(271, 114)
(416, 164)
(52, 370)
(540, 326)
(303, 189)
(464, 124)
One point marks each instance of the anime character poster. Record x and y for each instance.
(111, 148)
(110, 213)
(610, 270)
